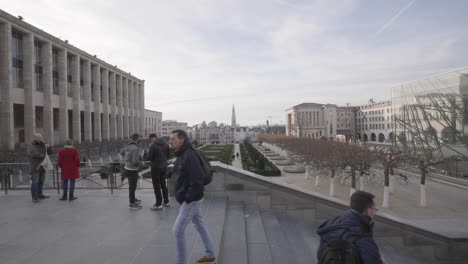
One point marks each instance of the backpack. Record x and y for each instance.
(207, 171)
(339, 251)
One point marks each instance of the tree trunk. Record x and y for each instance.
(317, 179)
(422, 198)
(332, 182)
(422, 189)
(386, 187)
(353, 181)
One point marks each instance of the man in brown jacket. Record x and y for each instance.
(37, 153)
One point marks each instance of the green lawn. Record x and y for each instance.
(222, 153)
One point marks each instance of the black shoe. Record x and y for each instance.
(71, 198)
(137, 201)
(134, 206)
(166, 204)
(64, 197)
(41, 196)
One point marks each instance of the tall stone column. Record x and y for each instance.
(135, 108)
(119, 107)
(105, 103)
(142, 105)
(48, 116)
(112, 103)
(76, 99)
(29, 88)
(7, 132)
(87, 101)
(63, 108)
(125, 107)
(131, 126)
(96, 75)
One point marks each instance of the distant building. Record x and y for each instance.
(374, 121)
(345, 123)
(49, 86)
(153, 122)
(312, 120)
(169, 125)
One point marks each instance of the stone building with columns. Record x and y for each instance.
(48, 85)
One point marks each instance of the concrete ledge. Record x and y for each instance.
(294, 169)
(267, 192)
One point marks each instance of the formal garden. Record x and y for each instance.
(222, 153)
(256, 162)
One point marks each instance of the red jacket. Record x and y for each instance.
(69, 162)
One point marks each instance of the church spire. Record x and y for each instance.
(233, 119)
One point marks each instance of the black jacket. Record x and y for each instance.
(37, 154)
(189, 181)
(158, 153)
(352, 224)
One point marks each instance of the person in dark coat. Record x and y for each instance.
(356, 222)
(158, 154)
(189, 194)
(69, 163)
(37, 153)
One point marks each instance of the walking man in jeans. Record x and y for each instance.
(132, 163)
(37, 153)
(189, 193)
(158, 154)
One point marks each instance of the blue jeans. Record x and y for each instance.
(191, 212)
(37, 182)
(72, 185)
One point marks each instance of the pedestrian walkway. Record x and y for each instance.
(237, 161)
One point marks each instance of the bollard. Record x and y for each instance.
(102, 162)
(89, 163)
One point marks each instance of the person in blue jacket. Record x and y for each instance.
(189, 194)
(356, 222)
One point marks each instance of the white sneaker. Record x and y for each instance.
(156, 208)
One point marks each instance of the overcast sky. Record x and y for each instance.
(198, 58)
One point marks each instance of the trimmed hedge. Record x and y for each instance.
(254, 161)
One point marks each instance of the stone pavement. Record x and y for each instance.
(96, 228)
(237, 162)
(446, 212)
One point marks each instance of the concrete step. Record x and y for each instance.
(281, 249)
(302, 252)
(234, 248)
(258, 248)
(215, 219)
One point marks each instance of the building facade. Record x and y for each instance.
(345, 123)
(213, 133)
(169, 125)
(52, 87)
(312, 120)
(374, 122)
(153, 122)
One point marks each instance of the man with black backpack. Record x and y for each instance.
(192, 173)
(348, 238)
(158, 154)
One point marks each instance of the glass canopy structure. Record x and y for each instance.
(430, 119)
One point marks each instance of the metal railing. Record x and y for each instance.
(93, 175)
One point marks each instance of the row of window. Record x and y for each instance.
(375, 112)
(375, 126)
(18, 69)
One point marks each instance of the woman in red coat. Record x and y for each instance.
(69, 163)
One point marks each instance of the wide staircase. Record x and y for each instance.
(252, 235)
(245, 234)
